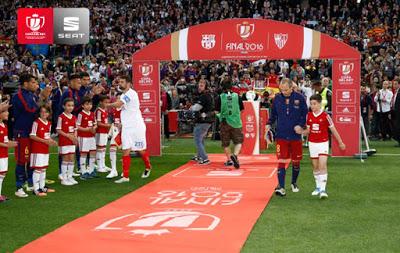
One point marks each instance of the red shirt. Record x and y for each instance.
(3, 139)
(272, 81)
(319, 125)
(41, 130)
(102, 116)
(68, 125)
(117, 116)
(85, 120)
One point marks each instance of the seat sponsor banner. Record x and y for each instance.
(346, 105)
(250, 127)
(146, 82)
(194, 208)
(71, 26)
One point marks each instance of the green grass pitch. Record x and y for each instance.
(362, 213)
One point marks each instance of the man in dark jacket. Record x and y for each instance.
(289, 110)
(166, 105)
(25, 107)
(203, 108)
(396, 112)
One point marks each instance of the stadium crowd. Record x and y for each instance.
(119, 28)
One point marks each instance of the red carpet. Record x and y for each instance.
(191, 209)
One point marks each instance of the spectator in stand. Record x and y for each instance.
(175, 101)
(120, 28)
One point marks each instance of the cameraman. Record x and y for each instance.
(203, 108)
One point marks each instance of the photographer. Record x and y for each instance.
(204, 111)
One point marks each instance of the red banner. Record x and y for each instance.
(346, 105)
(250, 128)
(146, 82)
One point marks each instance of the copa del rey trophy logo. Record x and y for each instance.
(35, 25)
(281, 39)
(159, 223)
(146, 69)
(245, 29)
(346, 68)
(35, 22)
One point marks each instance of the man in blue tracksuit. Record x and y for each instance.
(289, 110)
(25, 105)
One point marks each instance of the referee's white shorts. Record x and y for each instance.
(318, 149)
(134, 138)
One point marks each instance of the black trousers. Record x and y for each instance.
(384, 119)
(375, 125)
(166, 126)
(396, 125)
(366, 124)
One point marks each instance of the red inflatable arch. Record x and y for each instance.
(252, 39)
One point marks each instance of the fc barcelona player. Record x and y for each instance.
(25, 106)
(289, 110)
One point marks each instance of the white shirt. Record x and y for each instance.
(386, 99)
(131, 116)
(307, 92)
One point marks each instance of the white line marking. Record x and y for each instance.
(272, 173)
